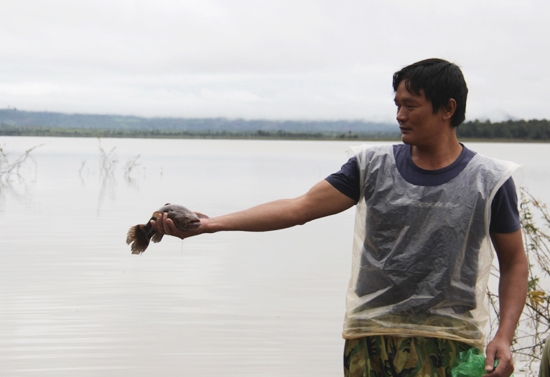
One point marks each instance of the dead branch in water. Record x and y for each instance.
(11, 169)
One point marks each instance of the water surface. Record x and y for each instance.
(74, 301)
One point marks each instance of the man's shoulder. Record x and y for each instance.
(372, 148)
(365, 154)
(488, 163)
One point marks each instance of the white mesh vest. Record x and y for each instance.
(422, 254)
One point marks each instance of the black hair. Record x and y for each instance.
(440, 80)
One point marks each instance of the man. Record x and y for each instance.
(422, 251)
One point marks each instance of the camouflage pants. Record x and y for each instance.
(382, 356)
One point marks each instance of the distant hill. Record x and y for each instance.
(31, 123)
(10, 118)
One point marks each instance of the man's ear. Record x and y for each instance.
(449, 109)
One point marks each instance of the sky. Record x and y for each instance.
(277, 59)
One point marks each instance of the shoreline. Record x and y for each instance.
(264, 135)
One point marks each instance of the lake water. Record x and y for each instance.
(75, 302)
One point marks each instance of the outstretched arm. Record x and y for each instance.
(320, 201)
(512, 295)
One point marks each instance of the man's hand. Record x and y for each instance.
(499, 349)
(164, 225)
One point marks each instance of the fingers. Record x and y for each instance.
(165, 226)
(500, 352)
(489, 363)
(158, 225)
(170, 227)
(161, 224)
(503, 369)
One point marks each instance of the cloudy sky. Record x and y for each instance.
(276, 59)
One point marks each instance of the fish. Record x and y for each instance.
(139, 235)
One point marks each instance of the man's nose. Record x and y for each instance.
(401, 115)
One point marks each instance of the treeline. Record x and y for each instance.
(44, 120)
(182, 134)
(27, 123)
(535, 129)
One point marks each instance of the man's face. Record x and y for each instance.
(418, 124)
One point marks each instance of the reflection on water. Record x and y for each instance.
(74, 301)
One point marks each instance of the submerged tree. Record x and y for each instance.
(9, 169)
